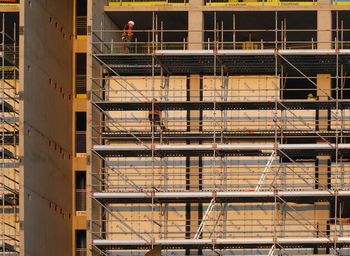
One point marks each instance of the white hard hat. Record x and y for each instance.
(131, 22)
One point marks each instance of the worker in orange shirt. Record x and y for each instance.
(155, 120)
(127, 36)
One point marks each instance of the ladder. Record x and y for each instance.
(205, 218)
(266, 170)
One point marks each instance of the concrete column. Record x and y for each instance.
(195, 26)
(322, 209)
(322, 178)
(324, 26)
(195, 95)
(324, 85)
(322, 214)
(194, 178)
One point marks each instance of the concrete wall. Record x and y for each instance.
(46, 127)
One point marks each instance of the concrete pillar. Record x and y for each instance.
(324, 26)
(194, 179)
(322, 177)
(195, 25)
(195, 95)
(322, 214)
(322, 209)
(324, 86)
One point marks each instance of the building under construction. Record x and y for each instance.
(251, 152)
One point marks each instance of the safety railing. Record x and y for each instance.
(80, 142)
(81, 252)
(228, 174)
(259, 2)
(80, 84)
(148, 40)
(291, 225)
(2, 2)
(147, 2)
(81, 25)
(80, 199)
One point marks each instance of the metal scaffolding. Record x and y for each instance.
(9, 179)
(245, 164)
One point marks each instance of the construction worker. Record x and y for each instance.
(154, 118)
(127, 36)
(310, 96)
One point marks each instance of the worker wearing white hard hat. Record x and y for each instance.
(127, 36)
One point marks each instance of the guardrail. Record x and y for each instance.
(81, 25)
(9, 2)
(260, 3)
(146, 2)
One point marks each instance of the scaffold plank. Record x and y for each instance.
(7, 154)
(9, 199)
(5, 106)
(224, 105)
(306, 150)
(6, 247)
(224, 243)
(220, 196)
(227, 134)
(238, 61)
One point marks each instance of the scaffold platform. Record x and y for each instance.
(293, 150)
(306, 196)
(237, 243)
(228, 134)
(224, 105)
(9, 199)
(6, 153)
(5, 106)
(237, 62)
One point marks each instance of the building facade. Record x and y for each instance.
(217, 127)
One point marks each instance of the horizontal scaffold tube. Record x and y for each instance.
(222, 147)
(257, 52)
(222, 242)
(310, 195)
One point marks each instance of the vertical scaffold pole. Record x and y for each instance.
(336, 136)
(2, 191)
(276, 30)
(214, 117)
(234, 31)
(153, 127)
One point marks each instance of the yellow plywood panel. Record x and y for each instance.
(135, 89)
(240, 88)
(299, 120)
(340, 119)
(143, 88)
(298, 220)
(130, 219)
(239, 120)
(135, 174)
(250, 220)
(299, 175)
(237, 88)
(340, 175)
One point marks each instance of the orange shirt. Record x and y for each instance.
(128, 30)
(156, 112)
